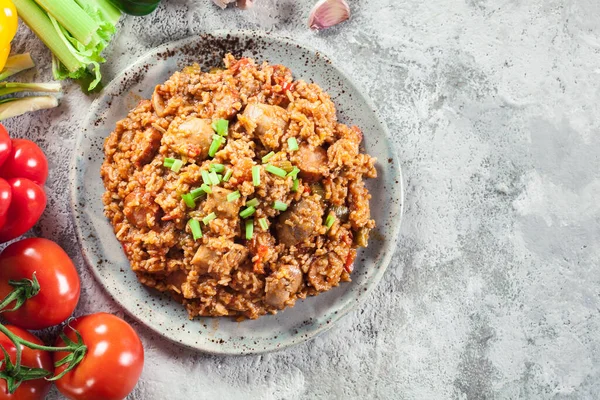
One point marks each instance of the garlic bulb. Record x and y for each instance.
(327, 13)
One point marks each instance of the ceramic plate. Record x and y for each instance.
(168, 318)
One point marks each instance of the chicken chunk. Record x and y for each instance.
(300, 222)
(217, 202)
(140, 209)
(192, 138)
(312, 162)
(282, 284)
(219, 258)
(146, 144)
(267, 122)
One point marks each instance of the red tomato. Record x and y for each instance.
(54, 270)
(28, 390)
(113, 362)
(26, 160)
(27, 205)
(5, 144)
(5, 199)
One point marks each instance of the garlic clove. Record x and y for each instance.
(244, 4)
(222, 3)
(327, 13)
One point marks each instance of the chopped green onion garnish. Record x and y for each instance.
(196, 193)
(249, 229)
(217, 168)
(195, 227)
(275, 170)
(294, 173)
(247, 212)
(252, 203)
(168, 162)
(177, 164)
(206, 188)
(266, 158)
(280, 205)
(233, 196)
(215, 145)
(214, 179)
(293, 144)
(295, 185)
(220, 176)
(209, 218)
(188, 200)
(228, 174)
(256, 175)
(330, 220)
(221, 126)
(205, 177)
(263, 224)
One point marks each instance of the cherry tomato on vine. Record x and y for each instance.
(5, 144)
(26, 160)
(28, 390)
(56, 274)
(113, 362)
(26, 207)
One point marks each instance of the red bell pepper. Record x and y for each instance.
(23, 172)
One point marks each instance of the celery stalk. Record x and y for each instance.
(73, 18)
(15, 64)
(107, 9)
(40, 24)
(15, 87)
(17, 106)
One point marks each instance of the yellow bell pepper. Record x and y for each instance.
(8, 28)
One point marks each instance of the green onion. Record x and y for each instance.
(266, 158)
(292, 144)
(196, 193)
(220, 126)
(228, 174)
(206, 188)
(209, 218)
(205, 177)
(252, 203)
(330, 220)
(15, 64)
(295, 185)
(280, 205)
(249, 229)
(214, 179)
(294, 173)
(256, 175)
(13, 106)
(263, 224)
(275, 170)
(188, 200)
(217, 168)
(195, 227)
(215, 145)
(220, 176)
(233, 196)
(247, 212)
(168, 162)
(177, 164)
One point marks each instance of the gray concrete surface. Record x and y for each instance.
(493, 292)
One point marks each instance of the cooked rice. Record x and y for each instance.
(222, 273)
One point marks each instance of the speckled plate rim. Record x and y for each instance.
(315, 329)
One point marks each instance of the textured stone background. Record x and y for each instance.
(494, 288)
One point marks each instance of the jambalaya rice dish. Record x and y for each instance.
(237, 191)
